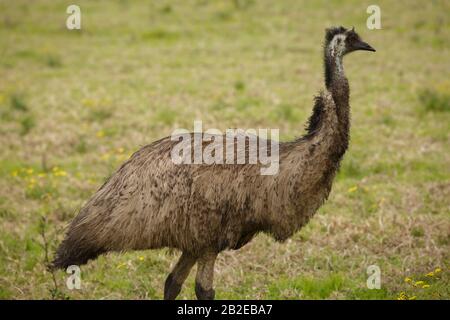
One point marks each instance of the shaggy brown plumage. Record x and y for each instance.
(150, 202)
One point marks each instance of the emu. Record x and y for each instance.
(201, 210)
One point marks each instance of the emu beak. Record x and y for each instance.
(364, 46)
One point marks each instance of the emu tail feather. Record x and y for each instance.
(74, 252)
(102, 225)
(82, 242)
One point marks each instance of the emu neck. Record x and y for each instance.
(337, 84)
(334, 69)
(312, 161)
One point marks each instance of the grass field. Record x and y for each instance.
(75, 104)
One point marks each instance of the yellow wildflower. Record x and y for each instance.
(100, 134)
(407, 279)
(402, 296)
(30, 171)
(430, 274)
(412, 298)
(419, 283)
(60, 173)
(352, 189)
(438, 270)
(120, 150)
(57, 172)
(141, 258)
(425, 286)
(14, 173)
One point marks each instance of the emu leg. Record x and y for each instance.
(205, 275)
(176, 278)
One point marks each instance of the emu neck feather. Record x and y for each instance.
(337, 113)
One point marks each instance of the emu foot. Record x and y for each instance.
(203, 294)
(171, 288)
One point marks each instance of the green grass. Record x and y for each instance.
(18, 103)
(433, 101)
(27, 123)
(75, 104)
(306, 288)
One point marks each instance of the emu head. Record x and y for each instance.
(339, 41)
